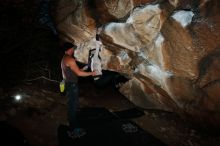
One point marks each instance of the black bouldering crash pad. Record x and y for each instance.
(105, 128)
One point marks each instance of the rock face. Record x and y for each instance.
(169, 50)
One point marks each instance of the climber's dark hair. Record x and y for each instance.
(68, 45)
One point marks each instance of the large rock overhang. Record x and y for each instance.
(169, 50)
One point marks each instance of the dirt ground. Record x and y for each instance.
(43, 108)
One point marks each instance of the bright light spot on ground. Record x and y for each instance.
(18, 97)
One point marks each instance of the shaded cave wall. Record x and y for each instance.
(28, 44)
